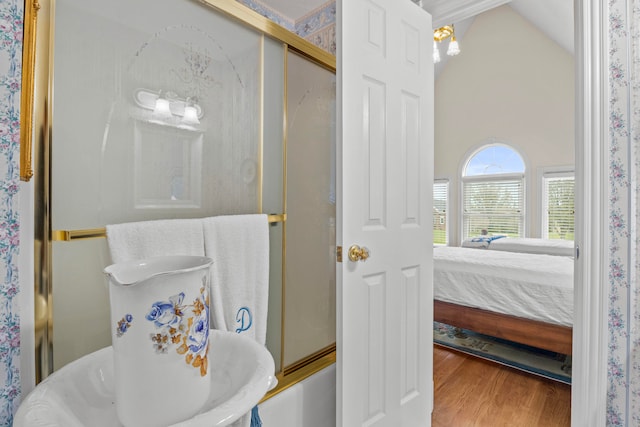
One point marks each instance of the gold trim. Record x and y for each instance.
(38, 125)
(41, 139)
(253, 19)
(261, 129)
(69, 235)
(31, 8)
(312, 365)
(443, 32)
(285, 111)
(96, 233)
(328, 350)
(44, 236)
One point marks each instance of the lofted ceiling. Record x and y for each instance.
(552, 17)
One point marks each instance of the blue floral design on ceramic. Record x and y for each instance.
(198, 333)
(167, 313)
(123, 325)
(185, 327)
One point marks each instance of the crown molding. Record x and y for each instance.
(452, 11)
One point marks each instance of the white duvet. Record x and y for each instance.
(533, 286)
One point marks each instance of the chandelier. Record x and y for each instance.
(443, 33)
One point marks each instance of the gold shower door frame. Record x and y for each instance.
(36, 121)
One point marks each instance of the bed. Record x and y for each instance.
(522, 297)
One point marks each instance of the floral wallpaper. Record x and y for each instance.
(317, 26)
(11, 14)
(623, 394)
(270, 13)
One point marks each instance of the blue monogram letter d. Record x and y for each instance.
(244, 318)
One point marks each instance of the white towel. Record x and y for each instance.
(239, 247)
(144, 239)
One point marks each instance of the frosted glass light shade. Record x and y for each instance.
(162, 109)
(436, 53)
(454, 48)
(190, 115)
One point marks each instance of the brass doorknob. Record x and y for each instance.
(357, 253)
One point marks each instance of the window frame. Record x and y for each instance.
(464, 179)
(543, 175)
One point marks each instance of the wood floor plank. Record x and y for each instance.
(556, 404)
(470, 391)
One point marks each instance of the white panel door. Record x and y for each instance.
(385, 176)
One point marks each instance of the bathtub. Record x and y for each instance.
(309, 403)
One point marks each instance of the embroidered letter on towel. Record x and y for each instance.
(239, 247)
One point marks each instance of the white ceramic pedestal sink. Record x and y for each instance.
(82, 393)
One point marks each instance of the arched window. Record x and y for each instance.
(493, 192)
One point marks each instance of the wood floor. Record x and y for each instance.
(470, 391)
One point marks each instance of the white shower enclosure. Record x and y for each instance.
(262, 141)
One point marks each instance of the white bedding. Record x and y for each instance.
(533, 286)
(533, 246)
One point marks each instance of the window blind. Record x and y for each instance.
(559, 207)
(493, 207)
(440, 208)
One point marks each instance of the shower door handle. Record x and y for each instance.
(357, 253)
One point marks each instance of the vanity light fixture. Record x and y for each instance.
(190, 117)
(441, 34)
(167, 108)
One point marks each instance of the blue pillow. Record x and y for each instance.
(487, 239)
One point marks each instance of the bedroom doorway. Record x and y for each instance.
(589, 384)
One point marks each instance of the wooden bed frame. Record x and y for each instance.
(524, 331)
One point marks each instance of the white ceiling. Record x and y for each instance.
(553, 17)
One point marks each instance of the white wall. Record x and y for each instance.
(510, 84)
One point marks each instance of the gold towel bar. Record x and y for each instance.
(93, 233)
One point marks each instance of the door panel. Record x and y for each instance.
(385, 177)
(374, 148)
(375, 363)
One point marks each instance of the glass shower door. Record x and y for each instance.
(153, 118)
(310, 304)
